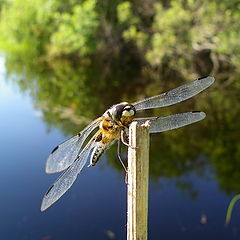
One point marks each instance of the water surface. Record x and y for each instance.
(188, 197)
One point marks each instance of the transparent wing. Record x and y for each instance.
(176, 95)
(165, 123)
(65, 181)
(64, 154)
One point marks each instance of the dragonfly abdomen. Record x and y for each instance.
(97, 152)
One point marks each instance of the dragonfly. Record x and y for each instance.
(72, 155)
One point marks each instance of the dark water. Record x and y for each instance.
(190, 189)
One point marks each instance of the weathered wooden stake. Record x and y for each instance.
(138, 175)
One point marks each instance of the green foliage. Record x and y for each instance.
(130, 22)
(169, 36)
(180, 30)
(125, 14)
(40, 28)
(173, 33)
(133, 34)
(189, 26)
(25, 28)
(76, 31)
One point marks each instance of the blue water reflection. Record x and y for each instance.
(95, 207)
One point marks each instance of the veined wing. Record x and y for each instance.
(175, 95)
(64, 154)
(165, 123)
(66, 180)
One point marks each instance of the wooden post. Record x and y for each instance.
(138, 175)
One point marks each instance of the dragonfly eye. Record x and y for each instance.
(122, 110)
(129, 111)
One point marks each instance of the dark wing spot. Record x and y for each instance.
(49, 190)
(79, 134)
(54, 149)
(196, 111)
(202, 77)
(74, 161)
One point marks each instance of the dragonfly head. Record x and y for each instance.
(123, 113)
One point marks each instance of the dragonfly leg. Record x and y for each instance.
(119, 155)
(124, 139)
(120, 159)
